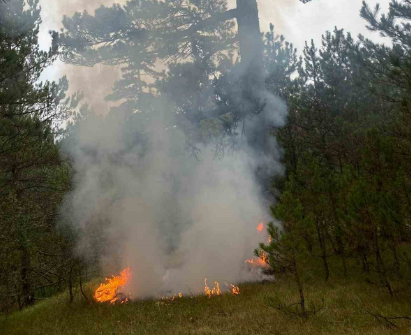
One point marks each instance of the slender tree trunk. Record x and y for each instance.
(81, 283)
(321, 241)
(396, 259)
(70, 284)
(27, 291)
(381, 266)
(325, 262)
(365, 265)
(300, 288)
(341, 249)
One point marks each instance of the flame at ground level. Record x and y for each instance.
(209, 292)
(108, 291)
(214, 291)
(234, 289)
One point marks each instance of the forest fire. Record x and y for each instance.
(109, 291)
(209, 292)
(214, 291)
(262, 260)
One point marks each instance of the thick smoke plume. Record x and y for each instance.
(174, 218)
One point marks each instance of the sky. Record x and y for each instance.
(298, 22)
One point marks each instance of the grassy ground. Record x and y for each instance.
(346, 311)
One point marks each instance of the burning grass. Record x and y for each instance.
(228, 314)
(112, 290)
(109, 291)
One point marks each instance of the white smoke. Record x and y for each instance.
(172, 218)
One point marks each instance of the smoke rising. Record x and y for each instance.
(173, 218)
(145, 202)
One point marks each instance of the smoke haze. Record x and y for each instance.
(174, 219)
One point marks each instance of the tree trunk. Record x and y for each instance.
(251, 45)
(81, 283)
(381, 266)
(323, 248)
(364, 260)
(70, 284)
(255, 109)
(27, 291)
(397, 265)
(300, 287)
(252, 72)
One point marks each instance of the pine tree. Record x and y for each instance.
(30, 165)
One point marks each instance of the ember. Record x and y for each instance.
(260, 227)
(172, 298)
(108, 291)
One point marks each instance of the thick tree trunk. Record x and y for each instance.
(256, 111)
(251, 45)
(252, 72)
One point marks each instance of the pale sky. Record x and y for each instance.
(298, 22)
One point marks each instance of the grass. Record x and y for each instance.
(344, 312)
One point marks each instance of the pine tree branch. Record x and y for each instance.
(215, 19)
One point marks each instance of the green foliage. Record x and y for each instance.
(346, 194)
(33, 178)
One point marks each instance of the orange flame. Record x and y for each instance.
(260, 227)
(233, 289)
(214, 291)
(261, 261)
(173, 297)
(263, 258)
(108, 291)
